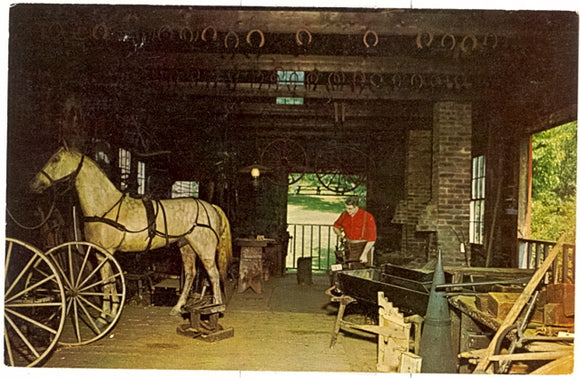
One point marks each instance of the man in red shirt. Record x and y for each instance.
(358, 226)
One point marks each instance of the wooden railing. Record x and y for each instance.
(533, 252)
(312, 240)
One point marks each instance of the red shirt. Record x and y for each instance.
(353, 225)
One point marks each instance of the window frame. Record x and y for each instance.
(124, 164)
(477, 201)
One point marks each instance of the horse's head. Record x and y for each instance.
(64, 163)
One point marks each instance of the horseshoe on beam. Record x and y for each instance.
(436, 81)
(163, 29)
(204, 32)
(100, 31)
(444, 39)
(419, 79)
(419, 40)
(494, 45)
(299, 38)
(366, 36)
(397, 80)
(363, 80)
(186, 34)
(234, 35)
(312, 79)
(260, 33)
(336, 80)
(473, 42)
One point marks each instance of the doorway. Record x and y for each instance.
(312, 209)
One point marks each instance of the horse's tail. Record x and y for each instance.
(224, 247)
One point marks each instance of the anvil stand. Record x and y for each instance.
(204, 323)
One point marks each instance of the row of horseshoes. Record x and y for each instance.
(302, 37)
(334, 80)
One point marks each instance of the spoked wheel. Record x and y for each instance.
(34, 305)
(286, 160)
(95, 290)
(341, 170)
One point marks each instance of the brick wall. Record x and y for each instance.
(435, 211)
(417, 190)
(451, 178)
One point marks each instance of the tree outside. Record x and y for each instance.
(554, 183)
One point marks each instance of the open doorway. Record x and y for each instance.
(552, 197)
(554, 163)
(312, 209)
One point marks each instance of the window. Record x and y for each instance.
(477, 204)
(289, 101)
(124, 167)
(101, 156)
(185, 189)
(290, 78)
(141, 178)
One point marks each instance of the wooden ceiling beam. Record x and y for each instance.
(456, 91)
(273, 62)
(398, 22)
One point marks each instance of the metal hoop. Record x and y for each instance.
(473, 39)
(299, 40)
(204, 31)
(249, 37)
(236, 38)
(162, 29)
(186, 31)
(420, 36)
(495, 40)
(366, 35)
(444, 38)
(97, 28)
(421, 80)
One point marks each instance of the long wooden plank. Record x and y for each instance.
(519, 305)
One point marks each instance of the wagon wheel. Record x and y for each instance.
(34, 305)
(94, 299)
(341, 170)
(286, 161)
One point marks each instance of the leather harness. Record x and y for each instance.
(151, 212)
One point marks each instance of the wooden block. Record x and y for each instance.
(554, 315)
(482, 302)
(500, 304)
(217, 336)
(410, 363)
(562, 293)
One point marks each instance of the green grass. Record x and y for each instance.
(325, 204)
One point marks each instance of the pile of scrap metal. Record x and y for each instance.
(535, 332)
(517, 322)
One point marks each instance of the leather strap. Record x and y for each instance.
(364, 224)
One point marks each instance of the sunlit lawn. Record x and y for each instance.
(313, 241)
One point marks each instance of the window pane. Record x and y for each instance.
(124, 167)
(141, 178)
(185, 189)
(477, 205)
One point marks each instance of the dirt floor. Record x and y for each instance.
(286, 328)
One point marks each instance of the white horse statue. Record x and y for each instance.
(118, 222)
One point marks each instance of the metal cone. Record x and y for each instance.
(436, 345)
